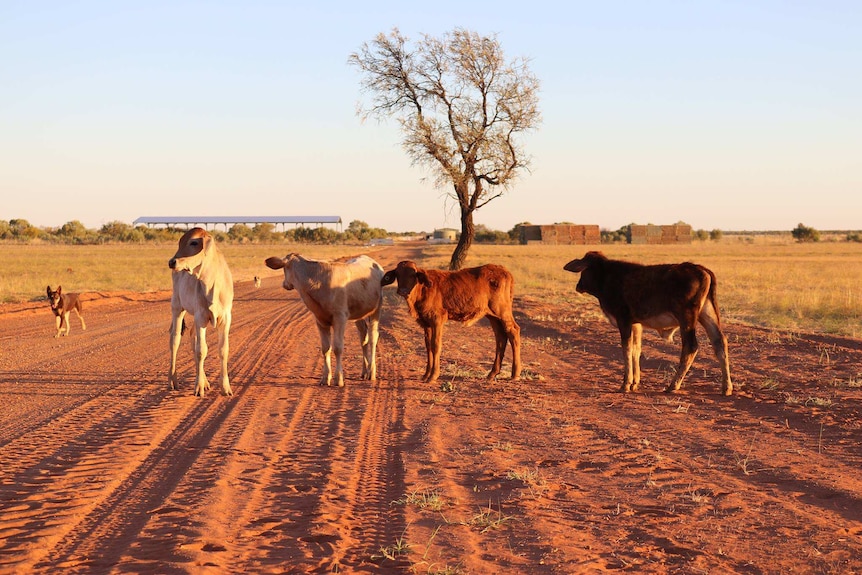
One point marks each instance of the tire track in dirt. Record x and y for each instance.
(182, 529)
(366, 477)
(300, 495)
(185, 429)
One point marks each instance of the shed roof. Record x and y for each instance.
(213, 220)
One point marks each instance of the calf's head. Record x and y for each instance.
(589, 267)
(407, 275)
(284, 263)
(193, 248)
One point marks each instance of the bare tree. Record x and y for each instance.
(461, 107)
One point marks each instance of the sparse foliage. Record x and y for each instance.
(359, 230)
(619, 236)
(461, 106)
(515, 232)
(803, 233)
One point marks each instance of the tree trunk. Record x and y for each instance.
(464, 242)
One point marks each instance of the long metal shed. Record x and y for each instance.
(228, 221)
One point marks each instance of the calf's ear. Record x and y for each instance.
(274, 263)
(575, 266)
(387, 278)
(423, 278)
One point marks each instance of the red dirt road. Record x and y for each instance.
(104, 470)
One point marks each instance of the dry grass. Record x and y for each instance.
(28, 269)
(776, 284)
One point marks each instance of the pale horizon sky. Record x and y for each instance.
(731, 115)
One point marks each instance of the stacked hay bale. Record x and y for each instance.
(652, 234)
(561, 234)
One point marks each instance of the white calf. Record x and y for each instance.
(338, 292)
(203, 286)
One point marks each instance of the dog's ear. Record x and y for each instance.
(49, 291)
(59, 290)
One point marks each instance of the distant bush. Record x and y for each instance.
(121, 232)
(485, 235)
(515, 233)
(618, 236)
(803, 233)
(854, 237)
(361, 231)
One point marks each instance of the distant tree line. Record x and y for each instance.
(74, 232)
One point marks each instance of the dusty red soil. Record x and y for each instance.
(104, 470)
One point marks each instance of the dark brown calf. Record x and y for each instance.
(662, 297)
(468, 295)
(62, 305)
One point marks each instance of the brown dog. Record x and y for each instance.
(62, 305)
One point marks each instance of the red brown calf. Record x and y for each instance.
(468, 295)
(663, 297)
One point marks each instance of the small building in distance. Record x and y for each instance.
(652, 234)
(444, 236)
(560, 234)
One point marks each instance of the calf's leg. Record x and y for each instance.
(719, 345)
(224, 350)
(513, 334)
(637, 346)
(339, 324)
(176, 335)
(429, 355)
(202, 384)
(500, 342)
(374, 339)
(436, 338)
(362, 328)
(326, 350)
(369, 334)
(686, 357)
(626, 340)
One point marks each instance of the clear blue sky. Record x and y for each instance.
(724, 114)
